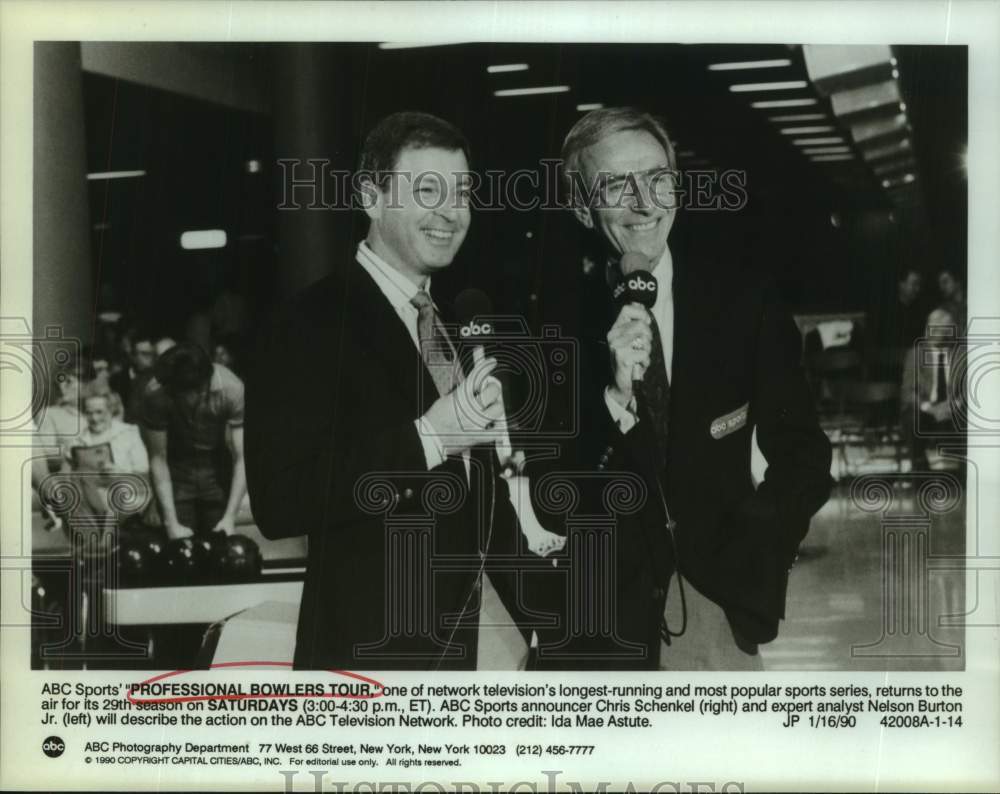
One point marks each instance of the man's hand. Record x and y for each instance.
(941, 411)
(178, 530)
(472, 413)
(629, 343)
(226, 524)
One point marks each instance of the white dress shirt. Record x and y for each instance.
(399, 291)
(663, 312)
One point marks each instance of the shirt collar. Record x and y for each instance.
(398, 289)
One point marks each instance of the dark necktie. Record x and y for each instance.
(655, 393)
(435, 348)
(940, 381)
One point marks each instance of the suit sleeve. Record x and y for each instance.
(797, 480)
(308, 439)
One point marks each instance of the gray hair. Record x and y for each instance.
(600, 123)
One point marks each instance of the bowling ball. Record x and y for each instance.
(138, 564)
(208, 543)
(237, 559)
(185, 561)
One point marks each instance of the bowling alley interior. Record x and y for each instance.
(166, 177)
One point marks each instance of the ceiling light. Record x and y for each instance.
(507, 67)
(409, 45)
(542, 89)
(783, 103)
(831, 158)
(114, 174)
(726, 67)
(908, 178)
(799, 117)
(784, 85)
(203, 238)
(590, 106)
(886, 183)
(895, 74)
(805, 130)
(827, 150)
(817, 141)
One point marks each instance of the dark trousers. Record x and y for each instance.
(201, 488)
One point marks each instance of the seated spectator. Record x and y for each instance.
(105, 448)
(193, 425)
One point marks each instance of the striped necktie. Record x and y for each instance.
(435, 347)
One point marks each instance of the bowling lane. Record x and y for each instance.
(870, 590)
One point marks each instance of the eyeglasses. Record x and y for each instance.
(655, 187)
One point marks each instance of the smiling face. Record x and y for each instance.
(418, 222)
(640, 206)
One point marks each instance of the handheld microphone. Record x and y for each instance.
(473, 308)
(637, 285)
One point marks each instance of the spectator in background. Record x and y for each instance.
(193, 426)
(224, 352)
(123, 453)
(131, 380)
(931, 394)
(62, 418)
(953, 298)
(901, 325)
(97, 459)
(97, 373)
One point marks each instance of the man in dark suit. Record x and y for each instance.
(363, 431)
(701, 557)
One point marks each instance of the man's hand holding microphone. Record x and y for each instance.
(631, 337)
(472, 413)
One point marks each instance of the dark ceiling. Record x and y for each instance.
(830, 230)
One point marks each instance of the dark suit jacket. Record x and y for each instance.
(332, 451)
(734, 348)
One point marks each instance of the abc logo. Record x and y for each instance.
(53, 747)
(640, 284)
(476, 329)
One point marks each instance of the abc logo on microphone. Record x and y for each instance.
(53, 747)
(640, 284)
(476, 329)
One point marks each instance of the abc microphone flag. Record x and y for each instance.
(473, 308)
(637, 284)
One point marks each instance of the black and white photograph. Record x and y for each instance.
(542, 391)
(502, 356)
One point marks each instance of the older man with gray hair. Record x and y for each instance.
(673, 389)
